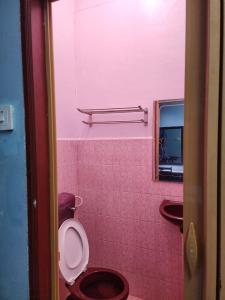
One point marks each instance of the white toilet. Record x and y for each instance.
(82, 282)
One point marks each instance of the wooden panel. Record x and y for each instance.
(193, 135)
(222, 167)
(37, 141)
(156, 142)
(211, 150)
(201, 142)
(53, 161)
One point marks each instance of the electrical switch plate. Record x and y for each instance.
(6, 117)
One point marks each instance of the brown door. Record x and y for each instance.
(201, 149)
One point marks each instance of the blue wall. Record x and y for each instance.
(13, 189)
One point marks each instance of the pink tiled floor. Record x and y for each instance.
(133, 298)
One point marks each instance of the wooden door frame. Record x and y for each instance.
(211, 151)
(221, 194)
(201, 128)
(203, 31)
(41, 149)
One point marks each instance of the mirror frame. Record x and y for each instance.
(156, 127)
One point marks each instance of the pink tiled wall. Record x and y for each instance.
(121, 213)
(67, 166)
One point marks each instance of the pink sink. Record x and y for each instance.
(172, 211)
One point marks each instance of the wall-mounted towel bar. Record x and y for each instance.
(91, 112)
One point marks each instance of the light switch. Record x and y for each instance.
(6, 117)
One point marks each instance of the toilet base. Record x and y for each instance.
(101, 284)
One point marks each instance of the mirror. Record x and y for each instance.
(169, 128)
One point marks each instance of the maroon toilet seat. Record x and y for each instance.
(99, 283)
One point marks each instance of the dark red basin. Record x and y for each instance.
(172, 211)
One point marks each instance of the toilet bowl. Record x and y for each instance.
(99, 283)
(82, 282)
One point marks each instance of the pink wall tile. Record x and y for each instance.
(67, 166)
(121, 215)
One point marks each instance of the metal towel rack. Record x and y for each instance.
(91, 112)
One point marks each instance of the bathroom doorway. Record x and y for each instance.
(109, 75)
(194, 175)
